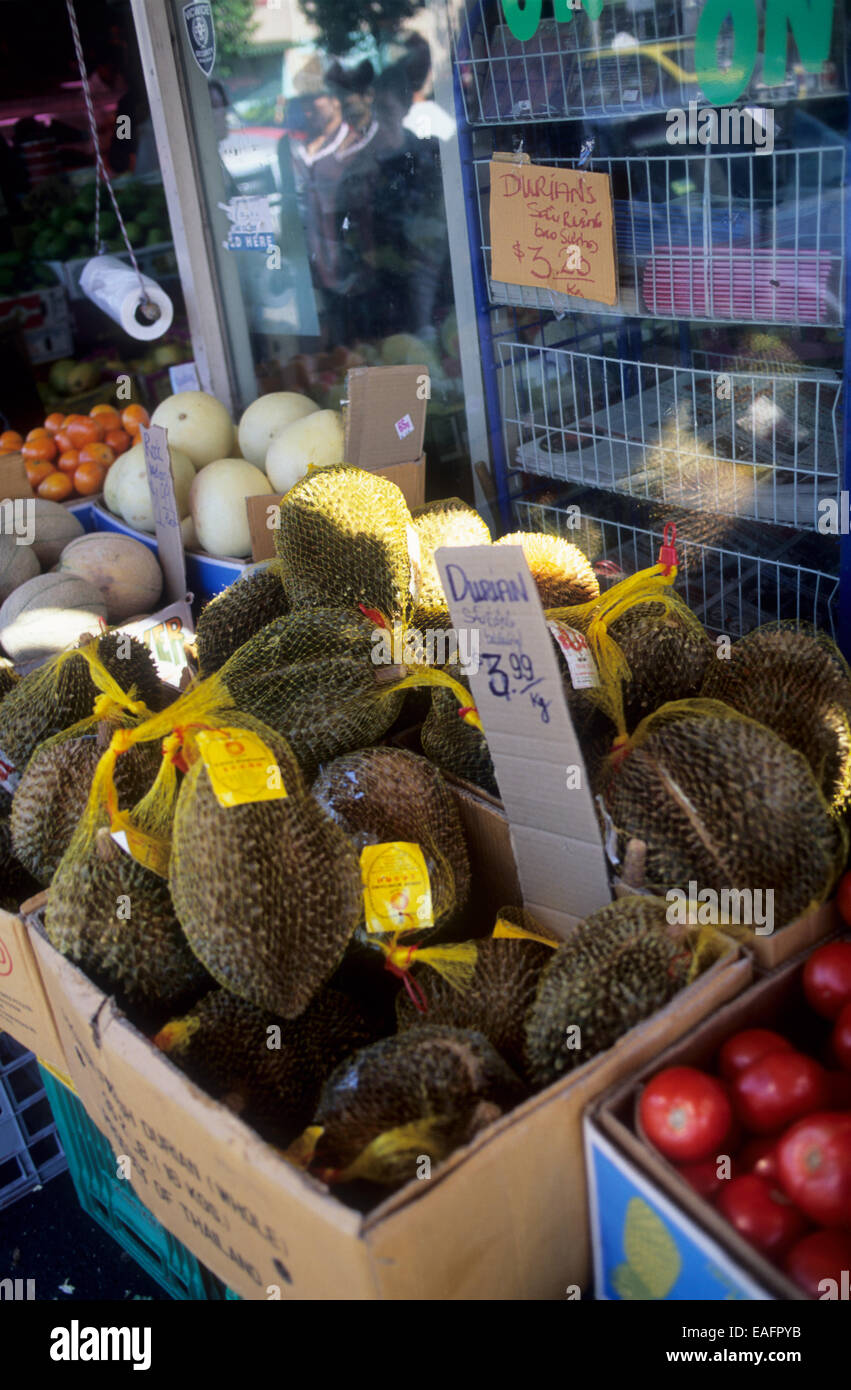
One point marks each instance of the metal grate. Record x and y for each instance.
(737, 441)
(637, 57)
(737, 238)
(730, 590)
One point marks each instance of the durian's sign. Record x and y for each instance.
(536, 755)
(810, 22)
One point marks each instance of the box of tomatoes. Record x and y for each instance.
(722, 1170)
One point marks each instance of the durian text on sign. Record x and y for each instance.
(553, 229)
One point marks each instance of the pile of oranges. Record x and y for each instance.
(71, 454)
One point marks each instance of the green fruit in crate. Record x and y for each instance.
(82, 377)
(167, 355)
(58, 376)
(57, 248)
(147, 217)
(75, 229)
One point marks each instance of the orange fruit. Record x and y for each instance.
(40, 433)
(107, 417)
(40, 450)
(54, 422)
(69, 461)
(56, 486)
(82, 430)
(119, 441)
(133, 416)
(89, 478)
(37, 472)
(10, 439)
(100, 454)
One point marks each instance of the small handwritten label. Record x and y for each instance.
(404, 427)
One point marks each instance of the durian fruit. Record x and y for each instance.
(453, 745)
(311, 676)
(268, 892)
(343, 542)
(449, 522)
(717, 799)
(619, 966)
(562, 574)
(236, 614)
(51, 797)
(53, 697)
(8, 678)
(381, 794)
(667, 651)
(267, 1069)
(682, 469)
(436, 1087)
(114, 918)
(495, 1002)
(796, 681)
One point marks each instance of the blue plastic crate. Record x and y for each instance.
(111, 1202)
(30, 1149)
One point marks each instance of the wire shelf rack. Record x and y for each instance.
(737, 442)
(729, 588)
(737, 238)
(638, 56)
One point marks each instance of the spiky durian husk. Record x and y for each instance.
(51, 797)
(268, 1069)
(236, 614)
(8, 678)
(343, 542)
(494, 1003)
(562, 574)
(795, 681)
(381, 794)
(723, 801)
(311, 676)
(448, 1075)
(453, 745)
(619, 966)
(448, 522)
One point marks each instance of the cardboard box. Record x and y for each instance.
(14, 483)
(504, 1218)
(706, 1257)
(24, 1008)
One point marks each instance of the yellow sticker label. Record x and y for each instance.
(153, 854)
(240, 766)
(396, 888)
(508, 930)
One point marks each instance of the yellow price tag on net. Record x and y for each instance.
(396, 887)
(152, 853)
(241, 767)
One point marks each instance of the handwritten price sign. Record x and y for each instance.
(553, 228)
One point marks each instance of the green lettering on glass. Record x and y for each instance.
(810, 21)
(523, 20)
(717, 86)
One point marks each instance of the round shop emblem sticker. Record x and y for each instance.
(5, 960)
(202, 34)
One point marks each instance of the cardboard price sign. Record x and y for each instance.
(553, 229)
(536, 754)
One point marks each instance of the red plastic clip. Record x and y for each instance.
(374, 616)
(667, 551)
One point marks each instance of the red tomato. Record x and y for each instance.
(827, 977)
(686, 1114)
(821, 1255)
(761, 1214)
(778, 1090)
(814, 1165)
(703, 1177)
(759, 1156)
(841, 1039)
(843, 898)
(743, 1048)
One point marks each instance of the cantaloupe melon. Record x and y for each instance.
(133, 495)
(217, 504)
(18, 563)
(265, 417)
(54, 527)
(198, 424)
(126, 572)
(48, 613)
(314, 439)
